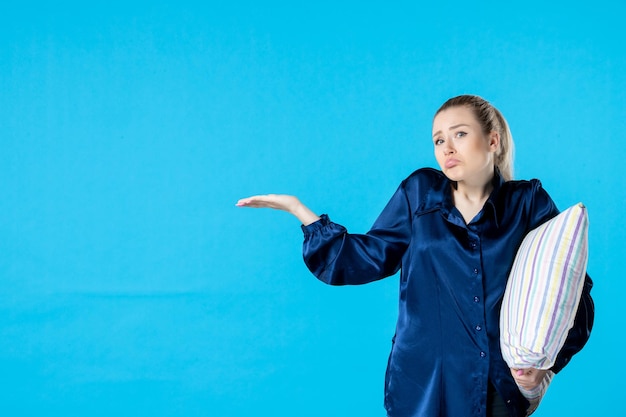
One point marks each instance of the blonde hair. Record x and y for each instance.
(490, 120)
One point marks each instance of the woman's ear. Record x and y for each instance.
(494, 141)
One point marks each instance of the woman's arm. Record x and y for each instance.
(337, 257)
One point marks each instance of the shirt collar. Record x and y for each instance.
(440, 197)
(497, 181)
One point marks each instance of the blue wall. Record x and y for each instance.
(129, 282)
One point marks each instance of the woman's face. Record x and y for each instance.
(462, 150)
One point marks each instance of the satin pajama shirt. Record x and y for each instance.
(446, 347)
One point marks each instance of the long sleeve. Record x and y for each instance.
(337, 257)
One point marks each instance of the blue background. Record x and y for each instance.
(130, 284)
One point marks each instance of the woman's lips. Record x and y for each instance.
(451, 163)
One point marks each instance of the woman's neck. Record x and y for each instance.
(469, 200)
(473, 192)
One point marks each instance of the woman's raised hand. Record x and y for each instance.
(284, 202)
(275, 201)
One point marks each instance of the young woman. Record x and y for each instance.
(453, 234)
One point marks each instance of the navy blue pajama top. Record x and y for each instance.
(446, 346)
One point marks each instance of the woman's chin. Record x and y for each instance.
(452, 175)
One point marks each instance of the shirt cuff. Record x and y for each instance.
(315, 226)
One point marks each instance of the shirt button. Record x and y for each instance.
(473, 244)
(483, 354)
(476, 299)
(475, 271)
(478, 328)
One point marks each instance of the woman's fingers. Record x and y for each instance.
(528, 378)
(255, 201)
(284, 202)
(275, 201)
(249, 201)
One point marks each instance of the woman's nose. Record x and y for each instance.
(447, 150)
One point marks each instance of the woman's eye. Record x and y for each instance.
(438, 141)
(460, 134)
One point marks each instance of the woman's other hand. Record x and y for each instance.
(528, 378)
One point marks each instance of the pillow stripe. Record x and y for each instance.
(553, 261)
(538, 263)
(571, 293)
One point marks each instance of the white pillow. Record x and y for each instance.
(543, 290)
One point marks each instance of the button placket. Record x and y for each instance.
(473, 245)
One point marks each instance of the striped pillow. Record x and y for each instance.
(543, 290)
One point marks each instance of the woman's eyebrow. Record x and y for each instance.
(451, 128)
